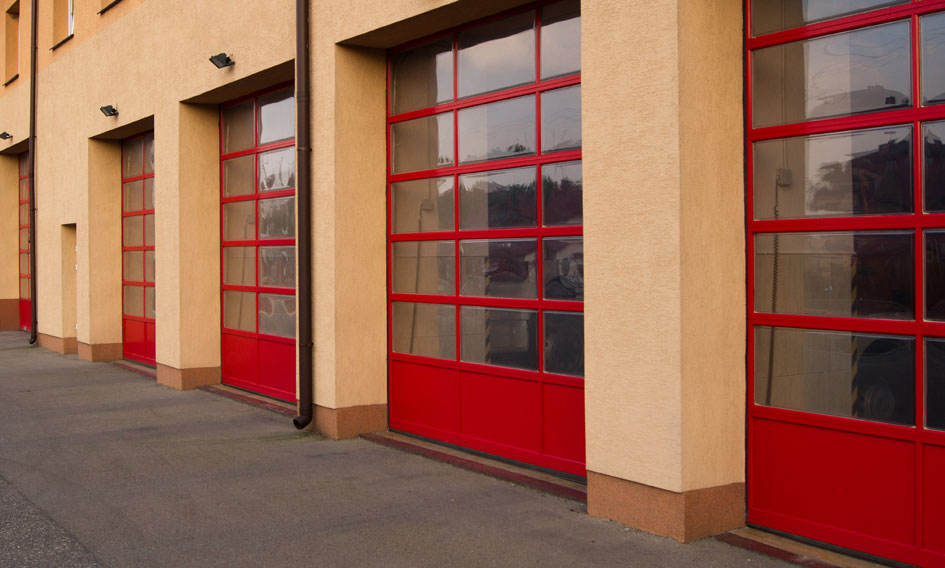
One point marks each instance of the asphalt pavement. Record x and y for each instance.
(100, 466)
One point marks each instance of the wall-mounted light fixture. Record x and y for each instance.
(109, 110)
(5, 135)
(221, 60)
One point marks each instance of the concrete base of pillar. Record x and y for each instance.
(686, 516)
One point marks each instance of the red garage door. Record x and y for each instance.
(258, 237)
(137, 248)
(486, 280)
(24, 246)
(847, 265)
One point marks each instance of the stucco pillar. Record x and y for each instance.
(349, 214)
(98, 280)
(664, 246)
(187, 245)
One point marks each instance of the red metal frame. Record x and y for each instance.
(138, 332)
(412, 377)
(25, 303)
(848, 487)
(255, 361)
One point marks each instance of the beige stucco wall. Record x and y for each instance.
(147, 65)
(664, 245)
(9, 234)
(663, 205)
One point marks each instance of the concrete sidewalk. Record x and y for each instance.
(100, 466)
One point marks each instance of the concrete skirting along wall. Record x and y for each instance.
(9, 314)
(100, 352)
(60, 345)
(348, 422)
(685, 516)
(186, 379)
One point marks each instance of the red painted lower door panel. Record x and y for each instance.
(25, 314)
(850, 489)
(519, 419)
(259, 365)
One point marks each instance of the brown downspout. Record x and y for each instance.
(32, 175)
(303, 150)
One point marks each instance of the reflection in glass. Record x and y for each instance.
(561, 119)
(239, 176)
(493, 336)
(774, 15)
(422, 205)
(499, 268)
(497, 55)
(24, 239)
(564, 343)
(239, 266)
(836, 373)
(277, 315)
(149, 266)
(24, 263)
(847, 73)
(149, 193)
(149, 230)
(149, 302)
(24, 163)
(239, 221)
(560, 38)
(935, 383)
(424, 329)
(276, 117)
(422, 77)
(867, 274)
(132, 197)
(239, 310)
(133, 266)
(498, 199)
(563, 268)
(422, 143)
(862, 172)
(24, 214)
(562, 191)
(277, 169)
(24, 190)
(132, 158)
(238, 127)
(134, 301)
(934, 166)
(497, 130)
(149, 154)
(277, 218)
(932, 74)
(133, 231)
(423, 267)
(24, 288)
(277, 266)
(935, 275)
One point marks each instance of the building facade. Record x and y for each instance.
(735, 319)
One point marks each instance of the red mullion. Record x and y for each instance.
(237, 198)
(272, 193)
(456, 193)
(388, 95)
(254, 243)
(539, 261)
(837, 25)
(478, 301)
(140, 177)
(490, 97)
(238, 288)
(273, 338)
(137, 318)
(484, 166)
(838, 423)
(860, 223)
(256, 209)
(854, 325)
(275, 289)
(877, 119)
(269, 146)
